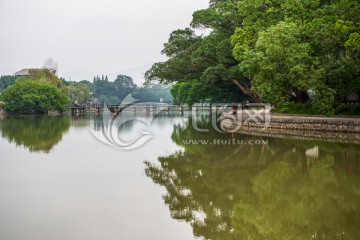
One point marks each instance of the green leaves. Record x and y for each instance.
(281, 65)
(352, 45)
(79, 92)
(290, 48)
(282, 50)
(112, 92)
(221, 16)
(179, 42)
(6, 81)
(198, 91)
(124, 85)
(153, 93)
(28, 96)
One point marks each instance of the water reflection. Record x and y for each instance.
(127, 120)
(37, 133)
(130, 130)
(80, 121)
(285, 189)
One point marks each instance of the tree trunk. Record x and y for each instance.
(253, 97)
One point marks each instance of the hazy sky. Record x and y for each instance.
(88, 37)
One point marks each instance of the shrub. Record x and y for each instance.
(33, 97)
(343, 109)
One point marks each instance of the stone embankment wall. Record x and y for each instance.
(316, 123)
(306, 127)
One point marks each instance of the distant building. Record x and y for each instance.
(25, 71)
(49, 64)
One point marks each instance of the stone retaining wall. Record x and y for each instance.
(303, 134)
(303, 127)
(317, 124)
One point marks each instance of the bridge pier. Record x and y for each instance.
(78, 111)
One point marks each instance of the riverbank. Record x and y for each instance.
(335, 129)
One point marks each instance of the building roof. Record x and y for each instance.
(22, 72)
(25, 71)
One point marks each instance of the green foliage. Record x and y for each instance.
(2, 104)
(28, 96)
(191, 92)
(103, 87)
(6, 81)
(295, 108)
(343, 109)
(179, 48)
(109, 99)
(179, 42)
(206, 59)
(124, 85)
(90, 85)
(221, 16)
(277, 51)
(37, 133)
(153, 93)
(112, 92)
(43, 76)
(78, 91)
(323, 100)
(292, 48)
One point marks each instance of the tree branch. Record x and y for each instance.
(253, 97)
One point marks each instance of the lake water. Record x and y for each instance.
(170, 177)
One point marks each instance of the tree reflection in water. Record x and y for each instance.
(37, 133)
(287, 189)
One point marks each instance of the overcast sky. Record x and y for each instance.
(89, 37)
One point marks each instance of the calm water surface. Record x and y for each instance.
(58, 181)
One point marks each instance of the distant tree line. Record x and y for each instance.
(41, 91)
(153, 92)
(105, 91)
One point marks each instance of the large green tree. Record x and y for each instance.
(299, 51)
(27, 96)
(279, 51)
(206, 59)
(124, 85)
